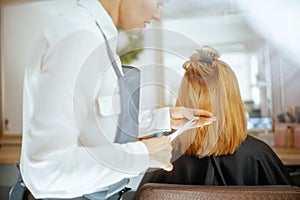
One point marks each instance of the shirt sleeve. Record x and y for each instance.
(154, 121)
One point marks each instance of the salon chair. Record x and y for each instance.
(152, 191)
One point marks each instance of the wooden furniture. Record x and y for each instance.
(10, 149)
(10, 154)
(10, 140)
(288, 156)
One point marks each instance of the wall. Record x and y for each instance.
(285, 80)
(21, 22)
(290, 73)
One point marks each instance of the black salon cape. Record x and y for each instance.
(254, 163)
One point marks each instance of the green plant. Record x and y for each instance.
(132, 48)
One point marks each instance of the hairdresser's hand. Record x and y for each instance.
(160, 152)
(180, 115)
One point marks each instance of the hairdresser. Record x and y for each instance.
(79, 134)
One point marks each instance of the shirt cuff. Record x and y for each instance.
(154, 121)
(139, 155)
(163, 119)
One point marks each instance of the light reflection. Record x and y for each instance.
(277, 21)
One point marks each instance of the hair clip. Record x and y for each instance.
(208, 54)
(206, 57)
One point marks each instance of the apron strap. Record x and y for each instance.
(129, 96)
(110, 54)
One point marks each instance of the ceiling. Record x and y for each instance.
(220, 23)
(197, 8)
(237, 25)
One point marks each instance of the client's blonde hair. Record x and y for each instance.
(210, 84)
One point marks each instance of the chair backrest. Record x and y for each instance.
(152, 191)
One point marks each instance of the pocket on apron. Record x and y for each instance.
(109, 105)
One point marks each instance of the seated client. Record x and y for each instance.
(221, 153)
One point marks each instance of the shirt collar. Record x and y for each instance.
(101, 16)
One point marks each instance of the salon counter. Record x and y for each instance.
(288, 156)
(10, 149)
(10, 154)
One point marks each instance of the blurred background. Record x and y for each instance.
(260, 40)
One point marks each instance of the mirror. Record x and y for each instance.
(222, 25)
(249, 41)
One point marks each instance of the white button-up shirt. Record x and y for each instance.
(70, 109)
